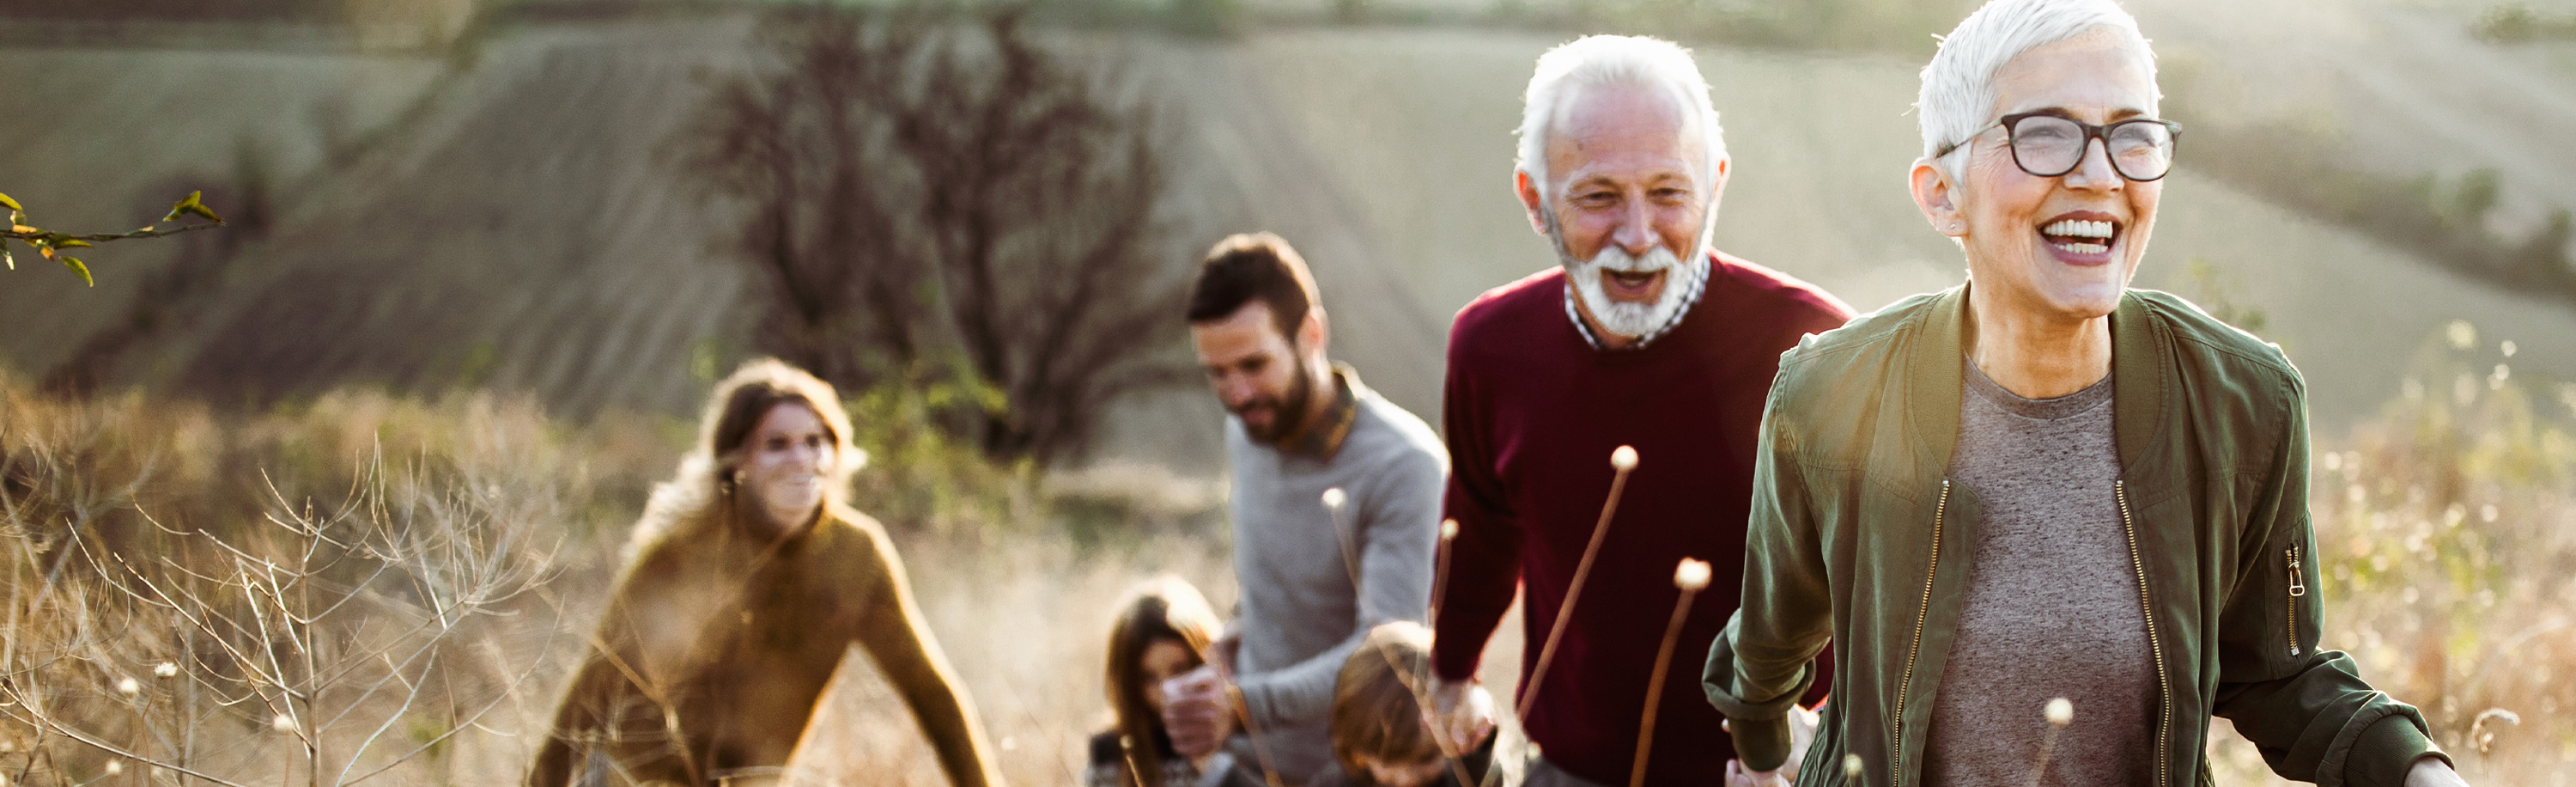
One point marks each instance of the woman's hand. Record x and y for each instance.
(2431, 771)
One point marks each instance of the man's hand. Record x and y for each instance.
(1198, 711)
(1802, 734)
(2432, 772)
(1461, 714)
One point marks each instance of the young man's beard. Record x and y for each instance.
(1287, 411)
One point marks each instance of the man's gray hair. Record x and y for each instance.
(1612, 60)
(1958, 95)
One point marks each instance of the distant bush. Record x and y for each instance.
(2515, 23)
(2310, 168)
(935, 197)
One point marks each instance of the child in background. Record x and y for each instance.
(1381, 734)
(1164, 628)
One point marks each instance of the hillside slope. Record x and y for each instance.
(1418, 124)
(520, 222)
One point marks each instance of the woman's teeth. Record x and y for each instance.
(2077, 236)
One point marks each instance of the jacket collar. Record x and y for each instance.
(2138, 381)
(1322, 439)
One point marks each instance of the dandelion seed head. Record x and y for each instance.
(1448, 529)
(2334, 461)
(283, 723)
(1335, 497)
(1691, 575)
(166, 670)
(1851, 766)
(1624, 459)
(115, 767)
(128, 686)
(2508, 348)
(2487, 513)
(2463, 335)
(2502, 373)
(2060, 712)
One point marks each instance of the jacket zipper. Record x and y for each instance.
(2155, 648)
(2298, 587)
(1896, 752)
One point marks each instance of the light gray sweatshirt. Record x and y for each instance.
(1301, 610)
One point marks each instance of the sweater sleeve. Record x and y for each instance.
(616, 702)
(892, 632)
(1392, 531)
(1484, 570)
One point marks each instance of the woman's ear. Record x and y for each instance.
(1937, 196)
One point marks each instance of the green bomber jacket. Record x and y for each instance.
(1858, 536)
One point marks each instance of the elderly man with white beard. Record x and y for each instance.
(1645, 336)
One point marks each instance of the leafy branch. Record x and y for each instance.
(50, 244)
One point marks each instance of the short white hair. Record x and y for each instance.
(1958, 95)
(1593, 61)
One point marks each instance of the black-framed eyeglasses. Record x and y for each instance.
(2047, 145)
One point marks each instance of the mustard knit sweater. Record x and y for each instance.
(719, 640)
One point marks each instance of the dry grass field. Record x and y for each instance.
(487, 272)
(2445, 523)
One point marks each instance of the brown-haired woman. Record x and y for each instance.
(1164, 628)
(1381, 733)
(749, 577)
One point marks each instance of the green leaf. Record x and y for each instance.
(11, 204)
(192, 205)
(72, 243)
(74, 263)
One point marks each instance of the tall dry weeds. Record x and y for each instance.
(366, 587)
(2446, 531)
(333, 593)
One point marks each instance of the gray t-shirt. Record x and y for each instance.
(1302, 611)
(2052, 605)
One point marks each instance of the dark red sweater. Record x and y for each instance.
(1532, 413)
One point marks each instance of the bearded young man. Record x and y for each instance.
(1645, 336)
(1311, 585)
(2052, 524)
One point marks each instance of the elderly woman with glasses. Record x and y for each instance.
(2053, 524)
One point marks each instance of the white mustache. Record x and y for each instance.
(1613, 258)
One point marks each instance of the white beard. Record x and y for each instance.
(1625, 318)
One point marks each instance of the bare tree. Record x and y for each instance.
(933, 199)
